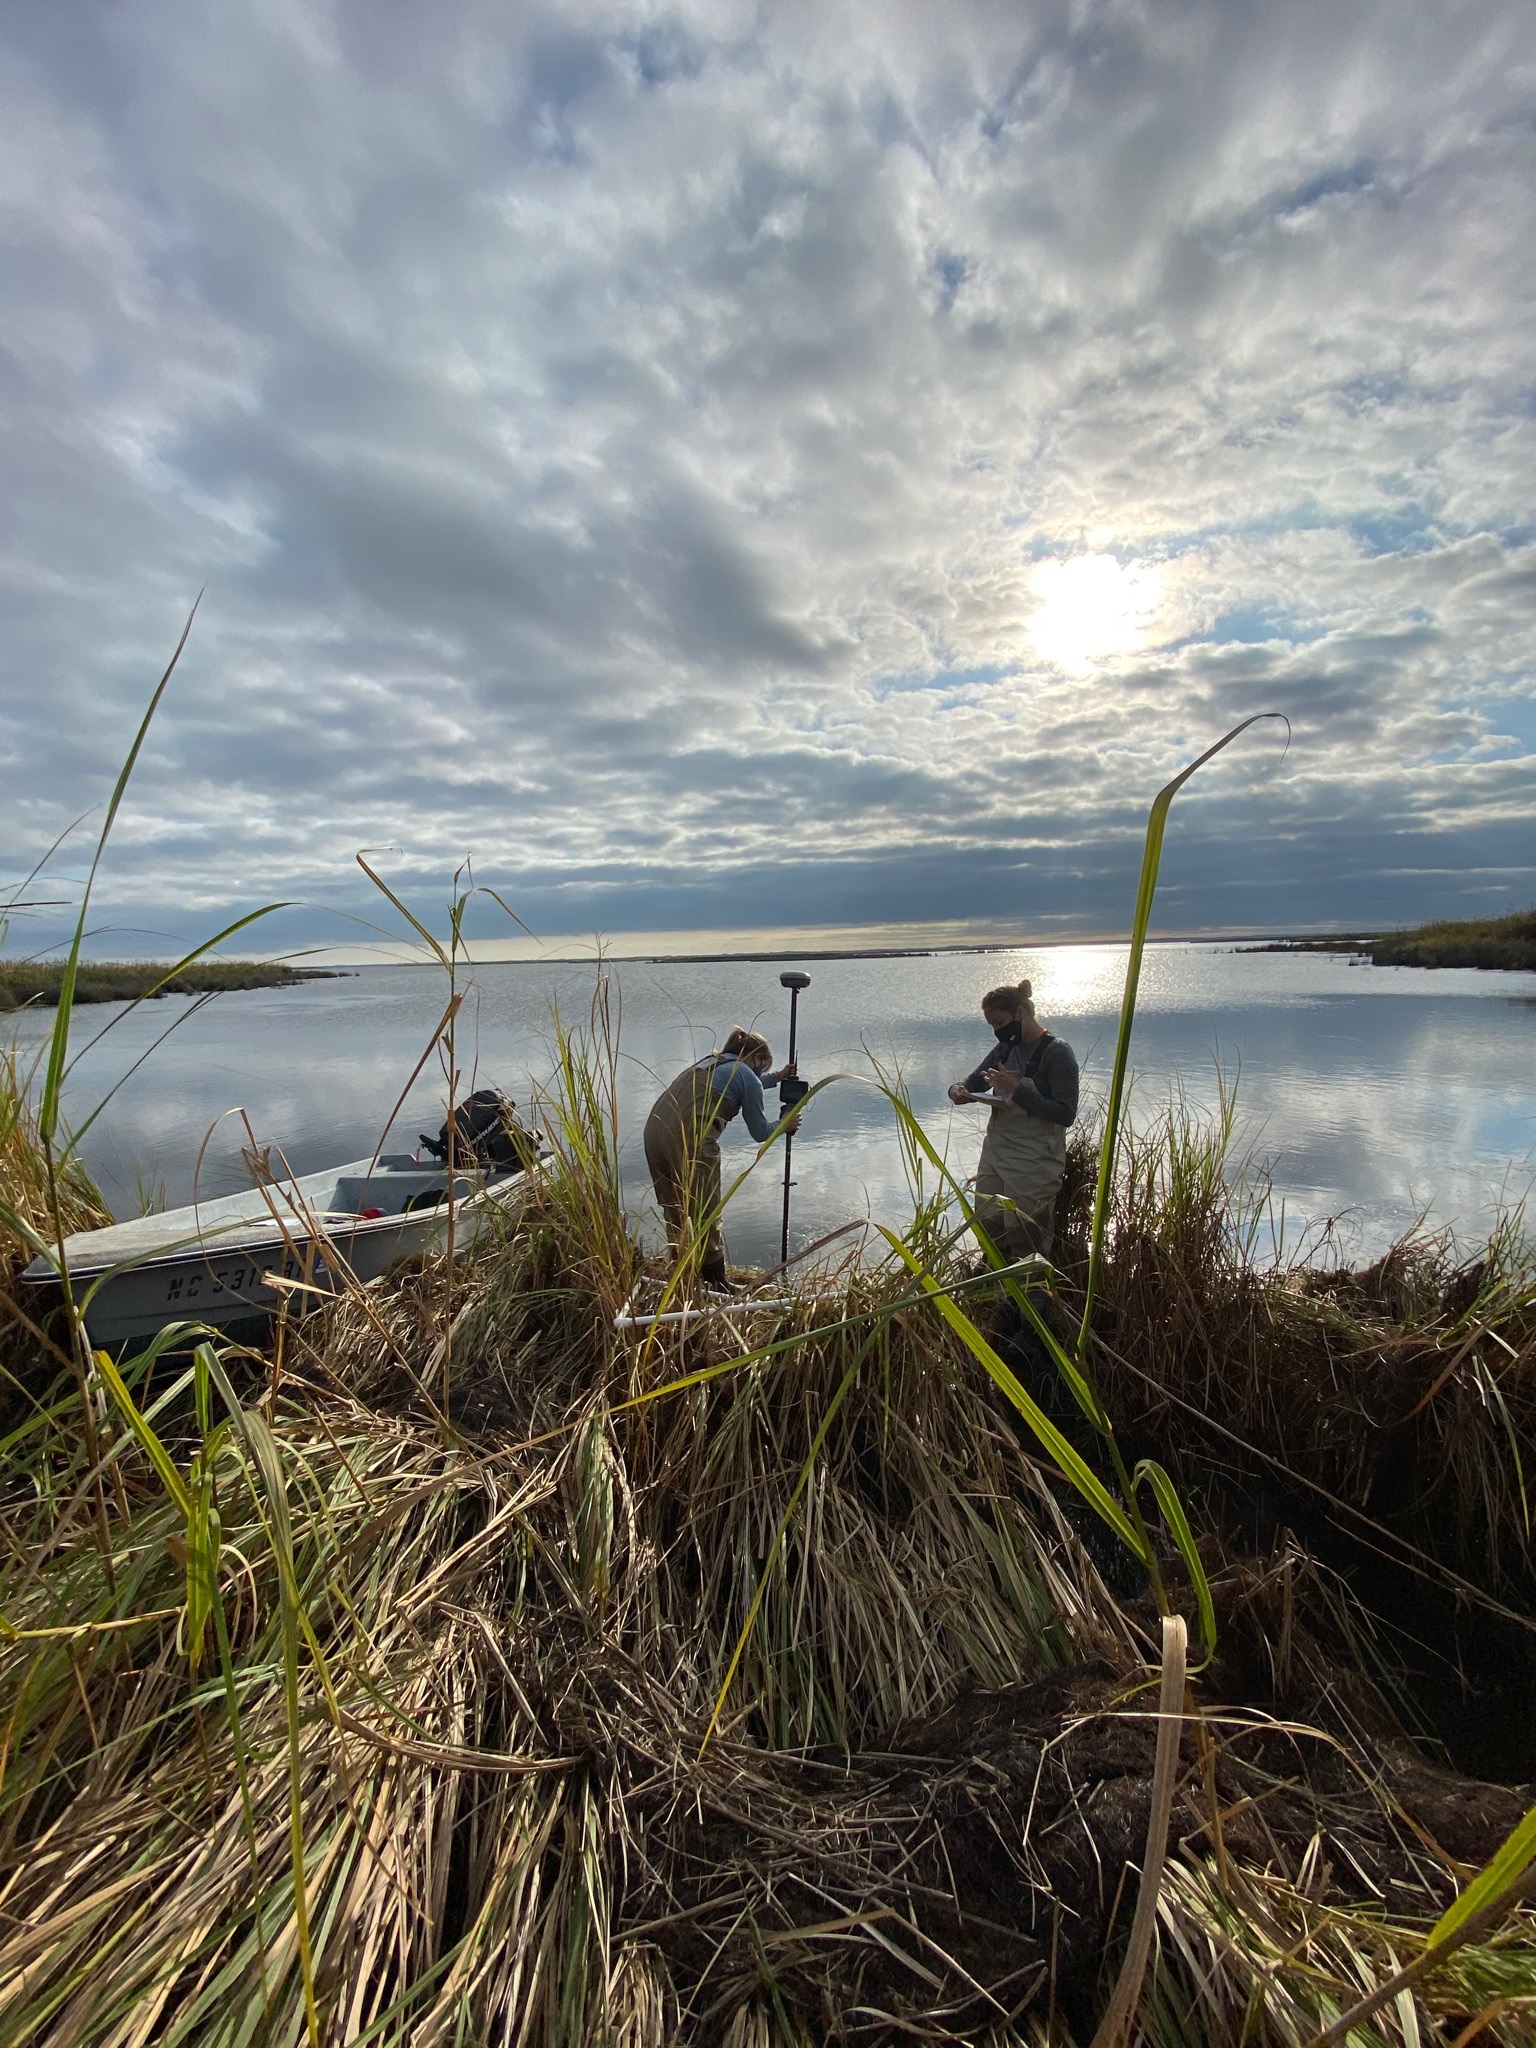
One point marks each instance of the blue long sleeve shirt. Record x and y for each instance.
(737, 1087)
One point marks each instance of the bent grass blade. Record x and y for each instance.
(1146, 890)
(1172, 1507)
(1061, 1452)
(240, 924)
(1500, 1874)
(1080, 1386)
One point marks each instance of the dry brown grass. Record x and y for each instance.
(31, 1209)
(454, 1688)
(1407, 1389)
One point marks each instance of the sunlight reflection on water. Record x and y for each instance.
(1372, 1094)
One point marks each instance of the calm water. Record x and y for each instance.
(1371, 1094)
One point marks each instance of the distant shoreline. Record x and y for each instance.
(1329, 942)
(797, 953)
(769, 954)
(1503, 944)
(37, 984)
(1507, 943)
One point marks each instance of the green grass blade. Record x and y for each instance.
(203, 1539)
(1066, 1459)
(192, 1009)
(1151, 860)
(263, 1447)
(1081, 1388)
(295, 1624)
(205, 1367)
(153, 1449)
(58, 1044)
(170, 974)
(1501, 1871)
(1178, 1522)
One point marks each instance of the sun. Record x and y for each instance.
(1090, 608)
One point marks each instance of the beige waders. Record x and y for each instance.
(1024, 1159)
(682, 1150)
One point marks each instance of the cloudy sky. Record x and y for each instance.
(736, 465)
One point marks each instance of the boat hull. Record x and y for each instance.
(223, 1270)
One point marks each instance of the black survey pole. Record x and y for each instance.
(790, 1091)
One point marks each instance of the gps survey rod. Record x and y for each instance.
(791, 1089)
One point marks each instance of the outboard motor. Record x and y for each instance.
(487, 1133)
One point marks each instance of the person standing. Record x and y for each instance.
(1031, 1079)
(682, 1137)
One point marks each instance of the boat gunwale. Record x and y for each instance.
(257, 1233)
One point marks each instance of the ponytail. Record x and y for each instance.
(746, 1045)
(1015, 999)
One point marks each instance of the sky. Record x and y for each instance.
(724, 467)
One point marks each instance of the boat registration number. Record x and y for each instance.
(204, 1283)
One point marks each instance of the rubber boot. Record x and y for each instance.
(714, 1275)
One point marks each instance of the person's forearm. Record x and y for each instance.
(753, 1114)
(1029, 1098)
(755, 1118)
(1053, 1095)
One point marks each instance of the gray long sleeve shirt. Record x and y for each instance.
(1048, 1078)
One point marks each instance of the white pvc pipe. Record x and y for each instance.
(743, 1305)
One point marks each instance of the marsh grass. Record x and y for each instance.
(491, 1674)
(1507, 942)
(1489, 942)
(38, 983)
(37, 1350)
(1406, 1389)
(28, 1195)
(478, 1665)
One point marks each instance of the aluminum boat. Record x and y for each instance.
(237, 1257)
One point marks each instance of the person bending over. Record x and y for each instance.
(1030, 1078)
(682, 1137)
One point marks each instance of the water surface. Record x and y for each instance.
(1374, 1096)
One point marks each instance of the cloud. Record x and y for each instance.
(635, 445)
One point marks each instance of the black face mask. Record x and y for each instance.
(1010, 1033)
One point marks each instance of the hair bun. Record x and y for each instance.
(1025, 990)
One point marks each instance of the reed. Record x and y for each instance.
(23, 1175)
(32, 1353)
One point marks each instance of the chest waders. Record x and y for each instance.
(682, 1150)
(1024, 1160)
